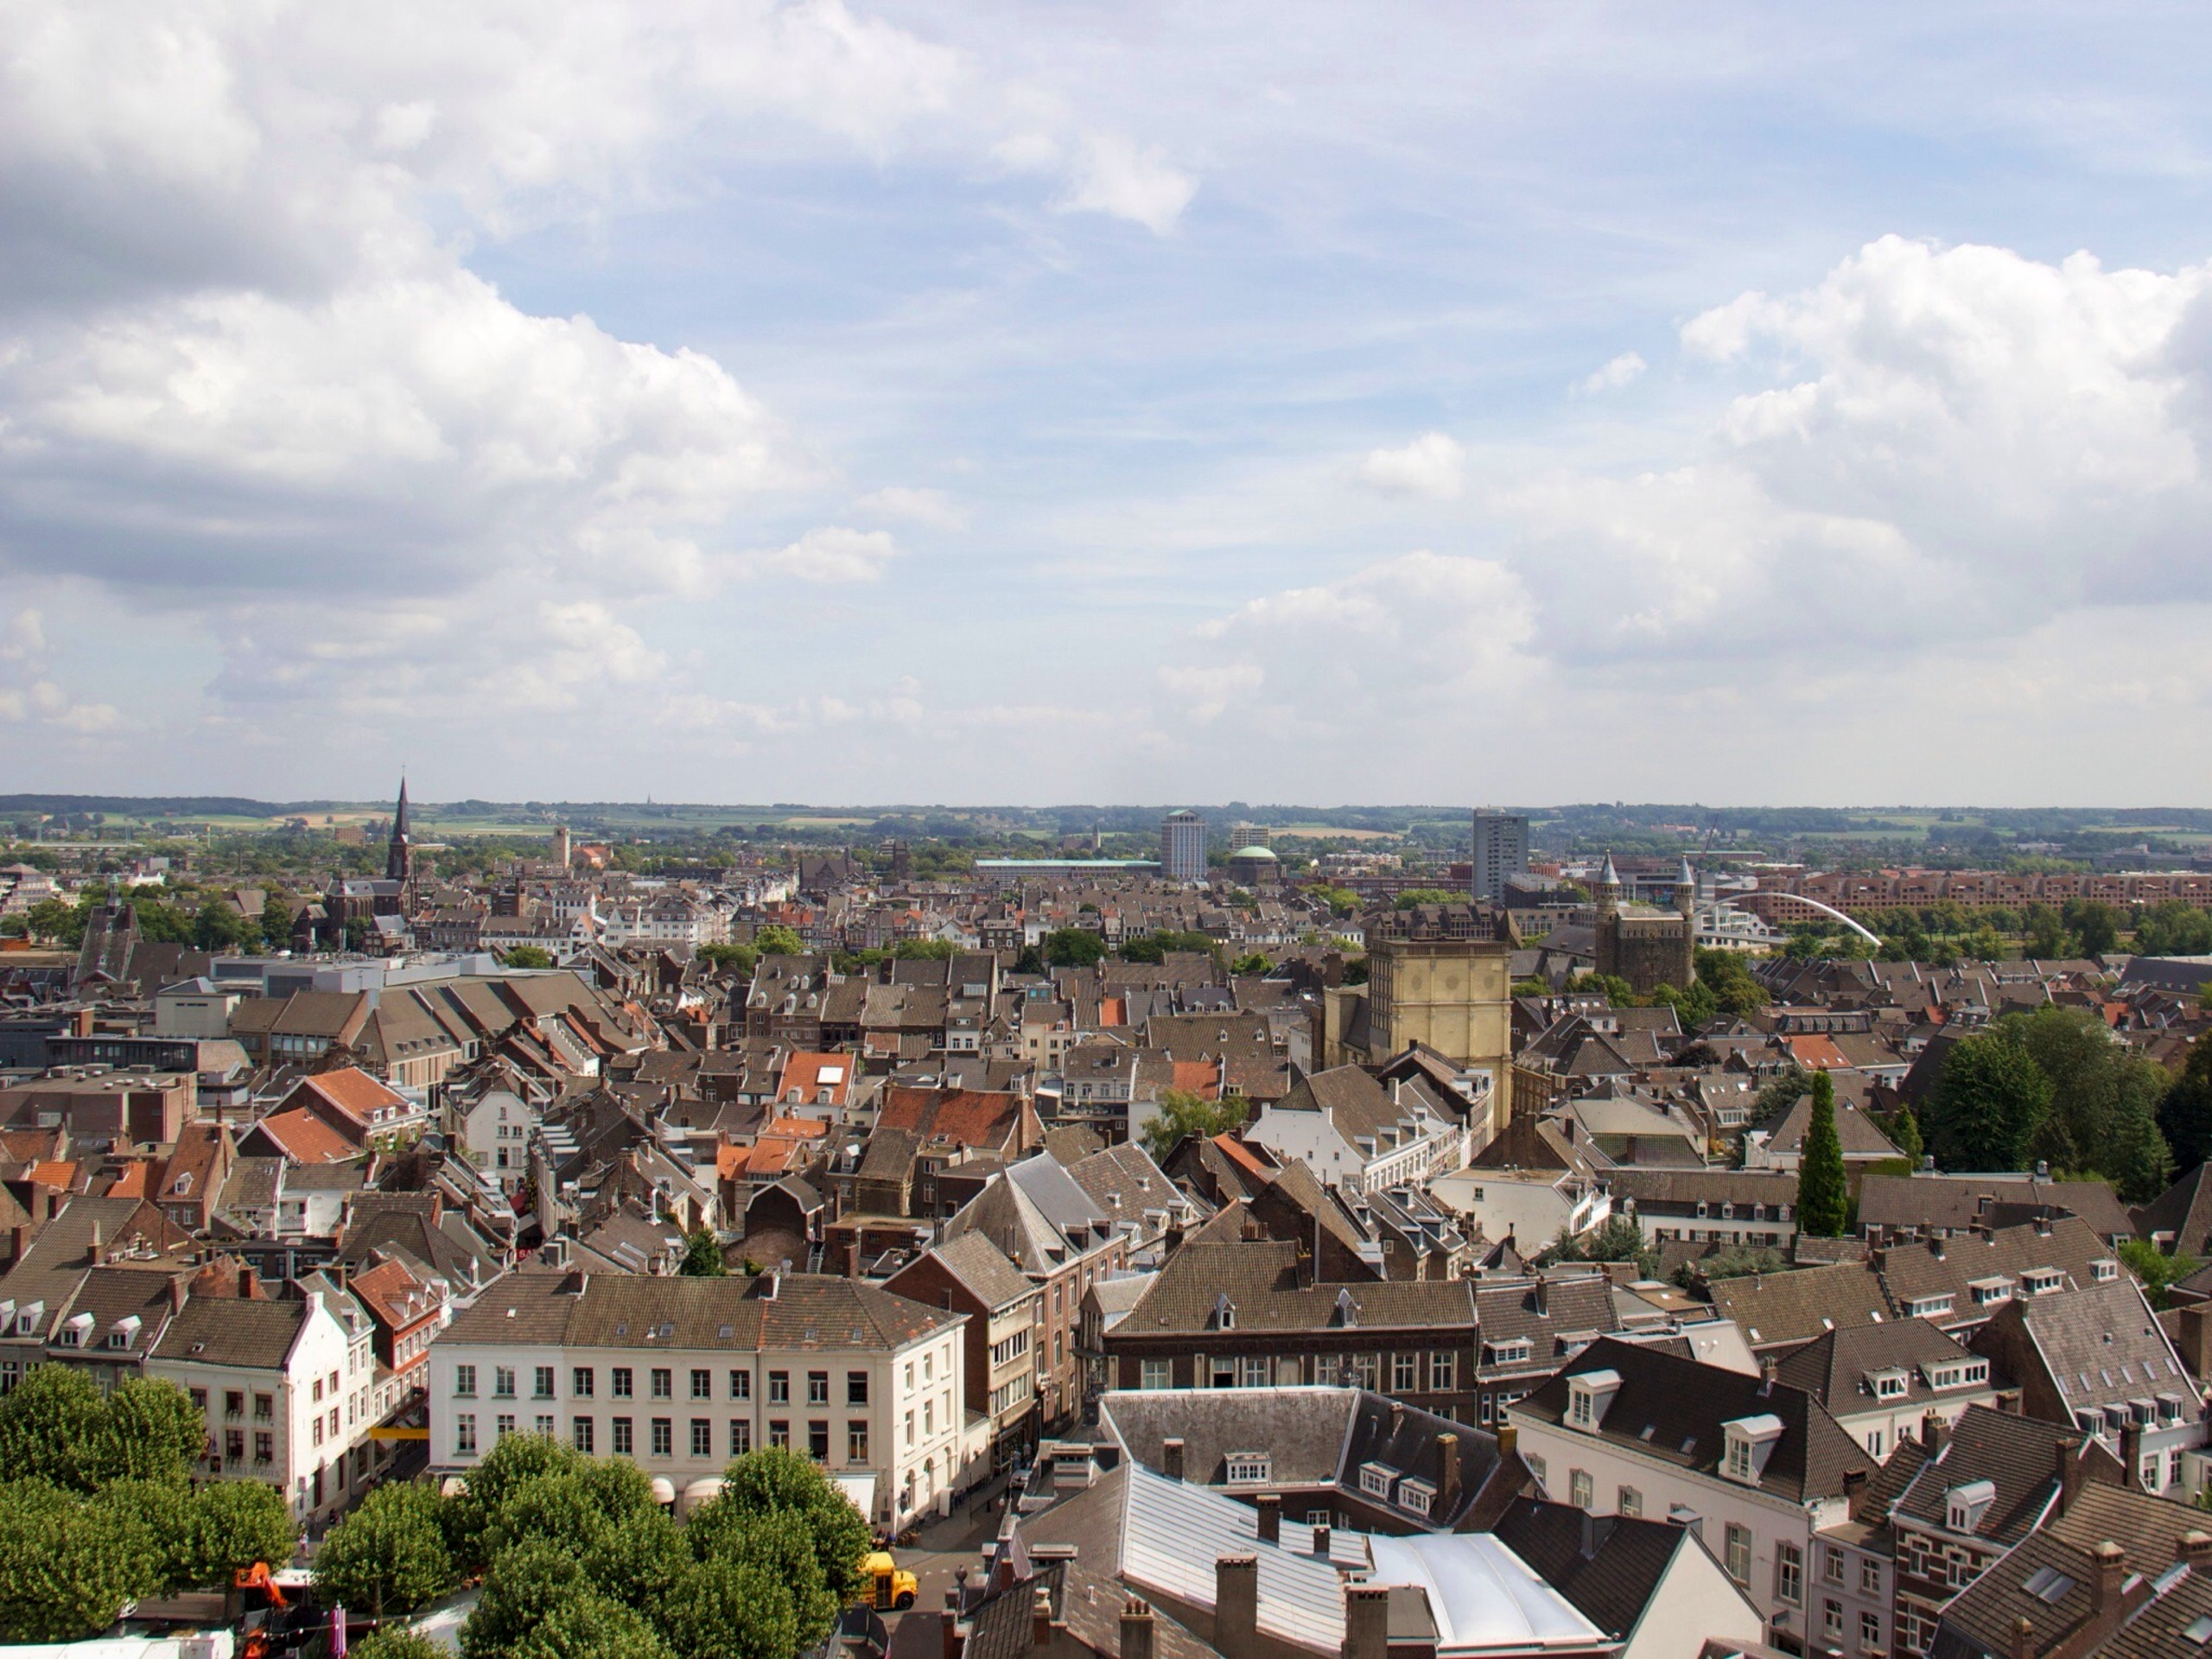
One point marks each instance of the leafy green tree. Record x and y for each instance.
(591, 1626)
(55, 1426)
(1726, 976)
(1073, 947)
(55, 920)
(2175, 928)
(1620, 1239)
(152, 1432)
(1733, 1262)
(1779, 1093)
(467, 1519)
(528, 955)
(389, 1554)
(2156, 1269)
(777, 940)
(2044, 933)
(738, 959)
(1615, 989)
(924, 951)
(1182, 1113)
(155, 1520)
(1413, 896)
(776, 1481)
(2137, 1159)
(66, 1566)
(727, 1609)
(1341, 901)
(702, 1254)
(395, 1642)
(1904, 1131)
(276, 922)
(1252, 964)
(235, 1523)
(2185, 1110)
(1987, 1103)
(526, 1584)
(2095, 924)
(1823, 1201)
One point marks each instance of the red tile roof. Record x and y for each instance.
(306, 1139)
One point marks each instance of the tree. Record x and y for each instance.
(525, 1585)
(1734, 991)
(1779, 1093)
(2156, 1269)
(777, 940)
(467, 1521)
(152, 1432)
(1254, 965)
(528, 955)
(1182, 1113)
(1732, 1261)
(1620, 1239)
(1413, 896)
(2095, 924)
(777, 1481)
(54, 919)
(731, 1610)
(54, 1426)
(1987, 1103)
(2185, 1111)
(1823, 1202)
(389, 1554)
(591, 1626)
(65, 1567)
(2176, 928)
(702, 1254)
(276, 922)
(235, 1523)
(1073, 947)
(738, 959)
(2044, 933)
(1904, 1131)
(927, 949)
(1615, 989)
(396, 1642)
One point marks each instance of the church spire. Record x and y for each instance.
(399, 855)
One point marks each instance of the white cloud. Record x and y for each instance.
(1433, 465)
(1112, 174)
(832, 554)
(921, 506)
(1614, 375)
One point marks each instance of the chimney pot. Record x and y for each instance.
(1138, 1631)
(2196, 1547)
(1270, 1518)
(1040, 1619)
(1367, 1621)
(2109, 1569)
(1236, 1606)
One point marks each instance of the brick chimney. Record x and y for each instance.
(1367, 1621)
(1270, 1518)
(2130, 1452)
(1321, 1541)
(1508, 1441)
(1139, 1634)
(1171, 1458)
(2194, 1547)
(2107, 1572)
(1447, 1481)
(2070, 1472)
(954, 1638)
(1236, 1606)
(2023, 1638)
(1933, 1431)
(1040, 1619)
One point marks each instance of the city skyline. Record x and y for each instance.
(1545, 403)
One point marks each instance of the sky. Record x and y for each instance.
(849, 402)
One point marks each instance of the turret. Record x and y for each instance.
(1608, 896)
(1686, 889)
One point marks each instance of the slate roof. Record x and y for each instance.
(227, 1331)
(1950, 1266)
(1610, 1566)
(1957, 1202)
(582, 1310)
(1833, 1366)
(1261, 1279)
(2019, 1455)
(983, 1266)
(1779, 1308)
(1672, 1409)
(2102, 1346)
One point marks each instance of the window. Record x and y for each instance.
(818, 1388)
(1870, 1630)
(1443, 1367)
(2173, 1467)
(741, 1385)
(1248, 1468)
(1417, 1495)
(856, 1388)
(624, 1387)
(1790, 1572)
(1875, 1441)
(1151, 1374)
(1536, 1467)
(1375, 1479)
(1254, 1372)
(664, 1382)
(1870, 1578)
(542, 1383)
(200, 1395)
(464, 1385)
(741, 1437)
(625, 1444)
(1737, 1558)
(1578, 1488)
(1739, 1458)
(1405, 1373)
(318, 1431)
(779, 1388)
(464, 1438)
(1832, 1620)
(544, 1425)
(910, 1431)
(2151, 1481)
(703, 1385)
(234, 1446)
(581, 1432)
(502, 1426)
(856, 1441)
(503, 1383)
(234, 1403)
(1831, 1565)
(779, 1434)
(265, 1443)
(580, 1382)
(664, 1437)
(1630, 1502)
(265, 1406)
(703, 1439)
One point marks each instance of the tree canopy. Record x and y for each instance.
(1182, 1113)
(1073, 947)
(702, 1254)
(1823, 1202)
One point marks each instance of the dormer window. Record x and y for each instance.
(1751, 1441)
(2104, 1270)
(1987, 1293)
(1929, 1307)
(1375, 1479)
(75, 1330)
(1964, 1506)
(1588, 1395)
(1248, 1468)
(1889, 1385)
(1224, 1313)
(1957, 1373)
(2041, 1281)
(1515, 1352)
(1415, 1495)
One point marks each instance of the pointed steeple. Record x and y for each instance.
(1607, 877)
(399, 854)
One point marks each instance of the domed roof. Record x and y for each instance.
(1253, 852)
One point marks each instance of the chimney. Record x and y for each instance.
(1768, 1368)
(2195, 1338)
(19, 1240)
(1367, 1621)
(2108, 1571)
(1040, 1619)
(1595, 1530)
(245, 1282)
(1236, 1606)
(2131, 1451)
(176, 1296)
(1138, 1640)
(81, 1023)
(1171, 1458)
(1270, 1518)
(1854, 1491)
(953, 1640)
(1933, 1431)
(2023, 1637)
(1447, 1480)
(1321, 1542)
(2193, 1547)
(1508, 1441)
(1537, 1293)
(2070, 1474)
(93, 1255)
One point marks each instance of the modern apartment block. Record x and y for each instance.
(1501, 849)
(1183, 847)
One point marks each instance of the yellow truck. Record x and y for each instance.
(893, 1585)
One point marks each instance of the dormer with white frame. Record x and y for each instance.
(1751, 1441)
(1964, 1506)
(1588, 1395)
